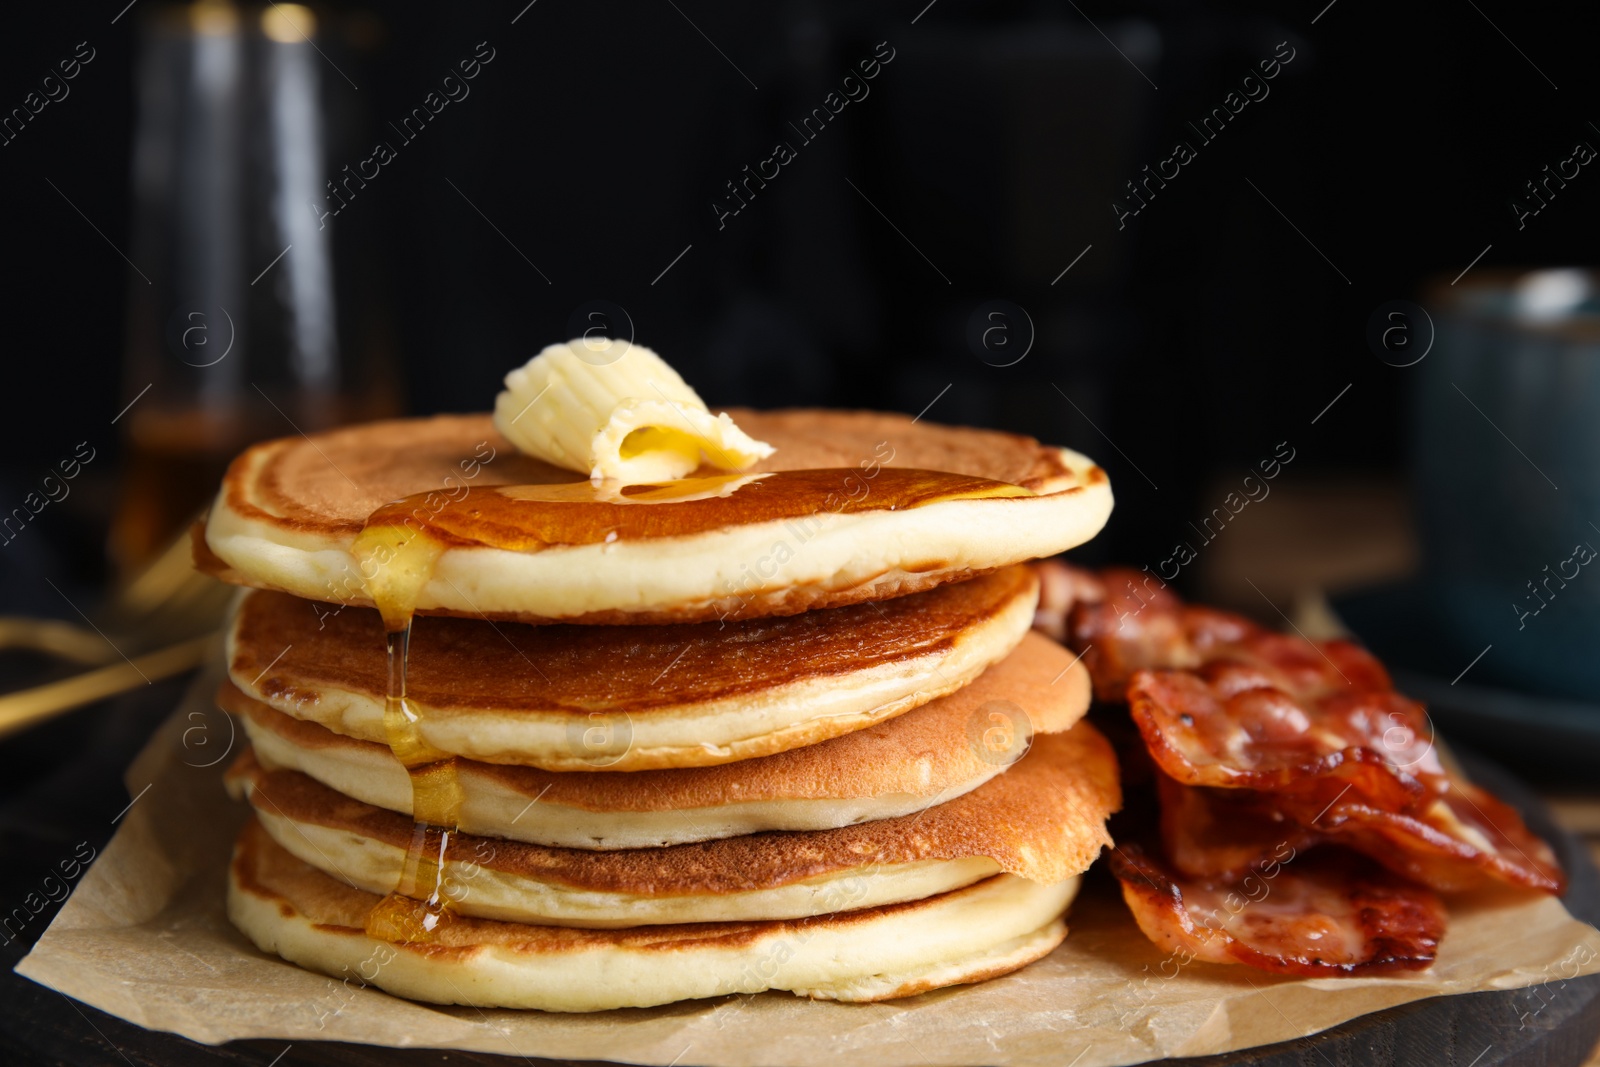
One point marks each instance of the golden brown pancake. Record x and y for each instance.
(290, 908)
(1043, 819)
(897, 767)
(289, 511)
(631, 698)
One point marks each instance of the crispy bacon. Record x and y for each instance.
(1061, 585)
(1226, 724)
(1464, 838)
(1323, 914)
(1222, 701)
(1258, 729)
(1224, 833)
(1279, 761)
(1127, 621)
(1120, 631)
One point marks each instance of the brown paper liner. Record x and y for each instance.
(144, 937)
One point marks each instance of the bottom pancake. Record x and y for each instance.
(982, 931)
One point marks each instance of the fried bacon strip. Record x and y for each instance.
(1319, 915)
(1279, 761)
(1312, 733)
(1224, 833)
(1384, 793)
(1235, 724)
(1465, 838)
(1124, 621)
(1060, 587)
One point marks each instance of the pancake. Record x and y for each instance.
(1043, 820)
(933, 754)
(992, 928)
(614, 698)
(860, 524)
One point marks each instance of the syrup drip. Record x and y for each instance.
(397, 563)
(401, 543)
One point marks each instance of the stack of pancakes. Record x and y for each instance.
(766, 731)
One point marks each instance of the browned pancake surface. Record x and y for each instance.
(808, 437)
(1043, 819)
(929, 749)
(267, 870)
(469, 663)
(331, 484)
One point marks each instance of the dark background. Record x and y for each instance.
(1177, 350)
(995, 142)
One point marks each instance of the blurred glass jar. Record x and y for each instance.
(255, 322)
(1506, 463)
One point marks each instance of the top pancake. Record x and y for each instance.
(289, 511)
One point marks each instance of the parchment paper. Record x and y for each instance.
(145, 937)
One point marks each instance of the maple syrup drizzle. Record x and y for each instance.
(401, 543)
(525, 518)
(396, 563)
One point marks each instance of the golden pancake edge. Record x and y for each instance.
(289, 512)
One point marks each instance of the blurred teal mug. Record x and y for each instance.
(1506, 465)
